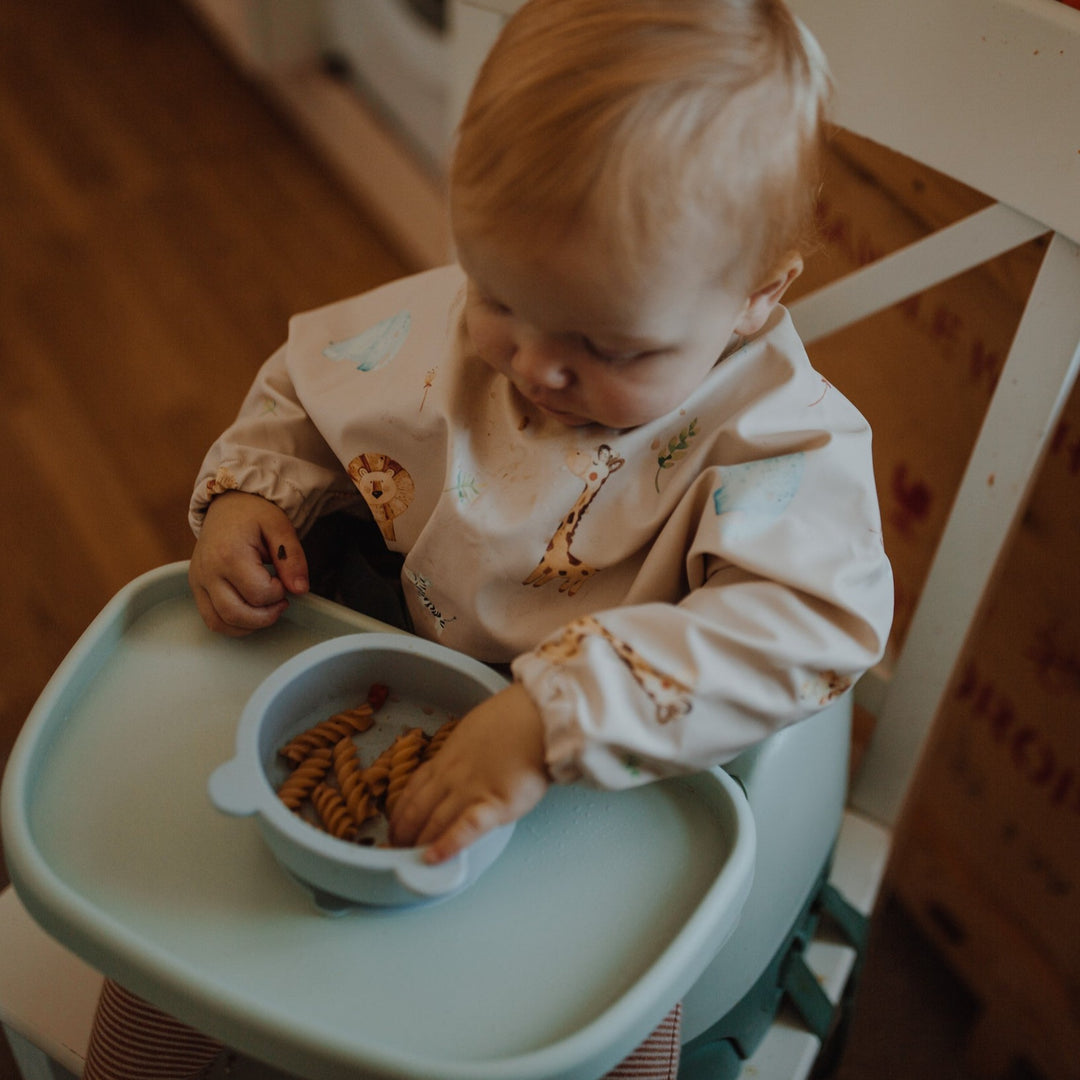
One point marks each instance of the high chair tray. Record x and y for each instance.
(600, 914)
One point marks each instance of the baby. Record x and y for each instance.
(597, 442)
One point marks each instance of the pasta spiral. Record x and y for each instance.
(333, 812)
(406, 755)
(442, 733)
(327, 732)
(377, 774)
(350, 778)
(300, 783)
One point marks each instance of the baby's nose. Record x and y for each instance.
(541, 360)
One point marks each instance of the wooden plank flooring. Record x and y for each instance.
(158, 225)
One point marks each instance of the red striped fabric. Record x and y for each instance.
(133, 1040)
(657, 1058)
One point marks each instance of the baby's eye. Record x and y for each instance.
(613, 356)
(495, 306)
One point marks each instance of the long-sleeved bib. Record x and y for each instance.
(667, 595)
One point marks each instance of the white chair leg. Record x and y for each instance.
(47, 997)
(33, 1063)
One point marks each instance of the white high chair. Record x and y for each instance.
(975, 89)
(986, 91)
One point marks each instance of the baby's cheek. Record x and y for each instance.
(490, 342)
(630, 402)
(634, 396)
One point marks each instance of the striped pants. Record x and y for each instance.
(133, 1040)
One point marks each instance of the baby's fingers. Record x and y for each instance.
(415, 806)
(288, 558)
(224, 610)
(434, 811)
(452, 830)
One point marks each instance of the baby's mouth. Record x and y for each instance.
(543, 405)
(538, 399)
(570, 419)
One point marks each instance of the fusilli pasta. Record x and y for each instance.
(350, 778)
(327, 732)
(300, 783)
(435, 744)
(333, 813)
(328, 777)
(406, 755)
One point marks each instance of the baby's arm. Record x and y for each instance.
(489, 772)
(234, 591)
(263, 481)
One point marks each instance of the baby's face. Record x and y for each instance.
(583, 344)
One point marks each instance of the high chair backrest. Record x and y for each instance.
(987, 92)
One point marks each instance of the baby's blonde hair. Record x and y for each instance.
(657, 120)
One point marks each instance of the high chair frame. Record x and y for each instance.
(912, 78)
(987, 92)
(980, 91)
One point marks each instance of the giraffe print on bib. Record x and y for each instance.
(559, 562)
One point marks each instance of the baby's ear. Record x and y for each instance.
(760, 303)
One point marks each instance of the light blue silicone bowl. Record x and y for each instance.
(428, 684)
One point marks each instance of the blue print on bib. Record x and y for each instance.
(375, 347)
(758, 492)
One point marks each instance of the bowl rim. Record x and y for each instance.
(266, 803)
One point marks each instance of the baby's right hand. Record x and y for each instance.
(234, 591)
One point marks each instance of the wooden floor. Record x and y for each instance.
(158, 225)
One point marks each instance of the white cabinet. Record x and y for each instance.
(390, 147)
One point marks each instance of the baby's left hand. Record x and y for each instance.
(488, 773)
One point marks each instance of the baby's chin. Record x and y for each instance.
(565, 418)
(562, 416)
(569, 418)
